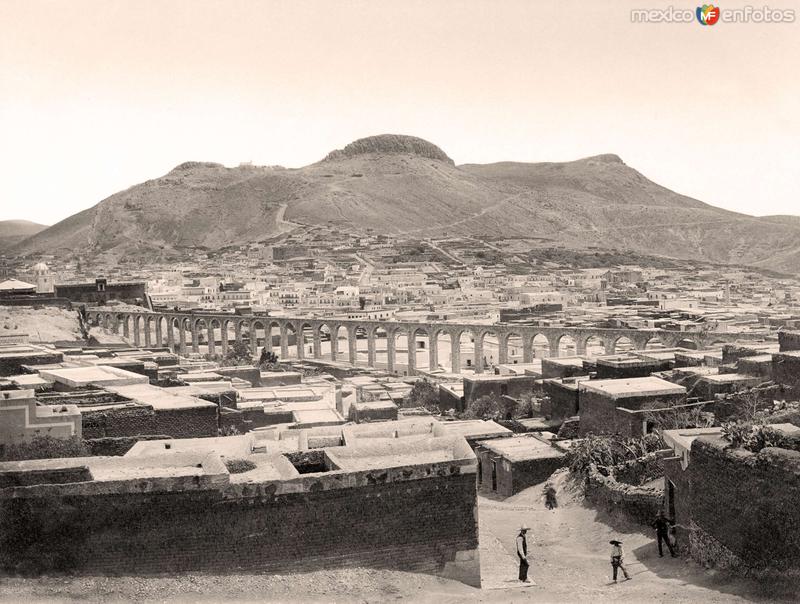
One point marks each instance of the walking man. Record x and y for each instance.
(616, 559)
(522, 552)
(550, 500)
(662, 525)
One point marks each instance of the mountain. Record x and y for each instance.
(405, 185)
(14, 231)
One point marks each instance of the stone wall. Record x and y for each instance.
(638, 503)
(427, 525)
(759, 494)
(143, 419)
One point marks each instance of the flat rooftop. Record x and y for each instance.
(730, 378)
(99, 375)
(160, 399)
(521, 448)
(631, 387)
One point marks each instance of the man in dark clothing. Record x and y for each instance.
(662, 525)
(522, 552)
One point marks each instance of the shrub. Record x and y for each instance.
(423, 394)
(239, 466)
(737, 433)
(607, 451)
(490, 407)
(755, 438)
(46, 447)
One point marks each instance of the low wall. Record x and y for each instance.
(425, 525)
(759, 494)
(640, 504)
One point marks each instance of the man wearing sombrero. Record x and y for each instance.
(522, 552)
(616, 559)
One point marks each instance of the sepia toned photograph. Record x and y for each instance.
(425, 301)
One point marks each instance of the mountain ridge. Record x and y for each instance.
(404, 185)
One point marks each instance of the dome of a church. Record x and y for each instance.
(40, 267)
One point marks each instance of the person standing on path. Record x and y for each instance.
(662, 525)
(522, 552)
(616, 559)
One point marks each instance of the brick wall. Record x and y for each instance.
(427, 525)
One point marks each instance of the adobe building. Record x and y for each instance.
(631, 366)
(562, 398)
(476, 386)
(355, 499)
(788, 340)
(22, 419)
(14, 357)
(506, 466)
(709, 386)
(563, 367)
(760, 528)
(101, 292)
(786, 368)
(605, 404)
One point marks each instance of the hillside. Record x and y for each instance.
(14, 231)
(405, 185)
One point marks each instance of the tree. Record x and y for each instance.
(238, 354)
(490, 406)
(423, 394)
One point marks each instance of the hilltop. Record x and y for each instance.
(405, 185)
(14, 231)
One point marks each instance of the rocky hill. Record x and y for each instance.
(14, 231)
(405, 185)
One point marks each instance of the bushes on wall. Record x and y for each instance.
(45, 447)
(607, 451)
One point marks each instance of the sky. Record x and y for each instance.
(98, 96)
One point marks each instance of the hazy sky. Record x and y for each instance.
(98, 96)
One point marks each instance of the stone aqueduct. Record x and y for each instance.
(153, 329)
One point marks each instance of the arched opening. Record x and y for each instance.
(401, 343)
(654, 343)
(273, 337)
(214, 342)
(595, 346)
(201, 328)
(306, 340)
(623, 344)
(462, 354)
(487, 352)
(567, 346)
(292, 340)
(339, 343)
(541, 346)
(419, 343)
(362, 345)
(688, 344)
(514, 349)
(380, 338)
